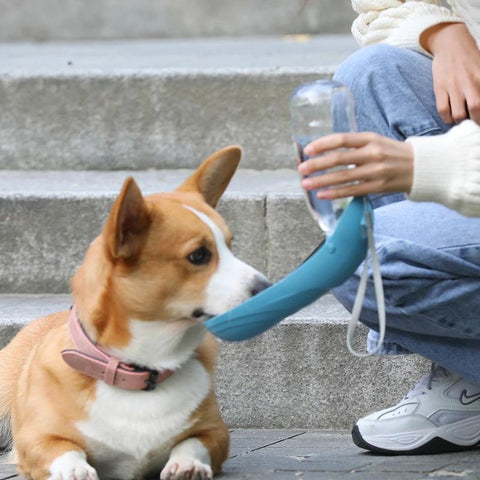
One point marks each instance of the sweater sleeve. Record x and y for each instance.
(398, 22)
(446, 168)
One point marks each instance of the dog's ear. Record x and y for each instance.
(127, 226)
(214, 174)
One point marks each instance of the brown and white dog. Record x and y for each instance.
(160, 267)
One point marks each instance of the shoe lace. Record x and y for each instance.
(436, 372)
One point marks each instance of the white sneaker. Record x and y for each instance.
(441, 414)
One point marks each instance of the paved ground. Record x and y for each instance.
(323, 455)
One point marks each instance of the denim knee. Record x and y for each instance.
(393, 91)
(359, 66)
(357, 70)
(377, 67)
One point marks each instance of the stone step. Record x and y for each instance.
(297, 375)
(103, 19)
(48, 219)
(154, 104)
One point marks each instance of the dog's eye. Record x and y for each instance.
(200, 256)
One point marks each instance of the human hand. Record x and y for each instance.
(456, 71)
(380, 165)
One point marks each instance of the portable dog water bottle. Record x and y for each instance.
(316, 109)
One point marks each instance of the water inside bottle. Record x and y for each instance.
(325, 212)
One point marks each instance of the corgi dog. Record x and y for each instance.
(122, 385)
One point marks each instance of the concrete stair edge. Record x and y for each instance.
(50, 218)
(132, 104)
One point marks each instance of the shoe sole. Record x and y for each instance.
(435, 445)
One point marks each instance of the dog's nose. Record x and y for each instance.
(259, 285)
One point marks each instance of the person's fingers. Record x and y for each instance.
(371, 148)
(339, 158)
(328, 179)
(458, 106)
(382, 158)
(338, 140)
(443, 106)
(341, 177)
(363, 188)
(473, 105)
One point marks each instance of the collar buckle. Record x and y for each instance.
(151, 381)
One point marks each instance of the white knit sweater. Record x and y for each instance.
(446, 167)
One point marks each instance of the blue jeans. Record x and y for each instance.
(430, 255)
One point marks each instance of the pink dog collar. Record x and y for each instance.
(93, 361)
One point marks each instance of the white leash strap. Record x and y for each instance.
(362, 286)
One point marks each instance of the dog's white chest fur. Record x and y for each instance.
(130, 433)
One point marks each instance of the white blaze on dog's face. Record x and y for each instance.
(234, 281)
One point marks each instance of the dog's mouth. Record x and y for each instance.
(201, 315)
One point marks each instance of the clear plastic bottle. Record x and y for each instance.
(317, 109)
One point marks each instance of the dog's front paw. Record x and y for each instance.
(188, 469)
(72, 466)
